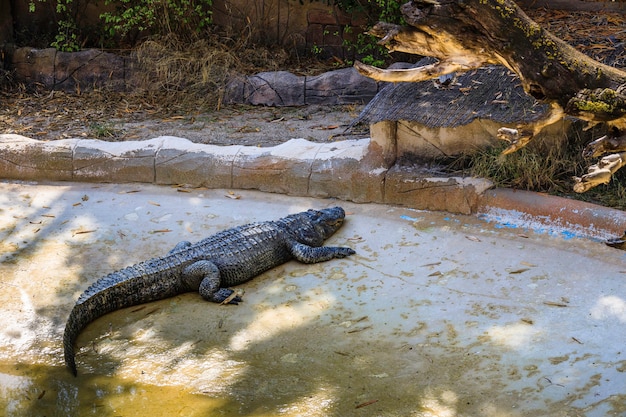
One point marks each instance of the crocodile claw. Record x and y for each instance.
(227, 296)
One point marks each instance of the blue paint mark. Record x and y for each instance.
(566, 234)
(411, 219)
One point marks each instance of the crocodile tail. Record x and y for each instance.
(141, 283)
(75, 323)
(83, 313)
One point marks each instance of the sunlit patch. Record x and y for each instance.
(209, 372)
(13, 391)
(513, 336)
(273, 321)
(609, 306)
(311, 404)
(443, 404)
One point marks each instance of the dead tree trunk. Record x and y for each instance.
(466, 34)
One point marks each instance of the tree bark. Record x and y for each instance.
(466, 34)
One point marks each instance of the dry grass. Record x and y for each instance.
(544, 166)
(181, 72)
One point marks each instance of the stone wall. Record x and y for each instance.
(311, 26)
(302, 28)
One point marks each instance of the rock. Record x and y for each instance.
(343, 86)
(90, 68)
(34, 66)
(277, 88)
(69, 71)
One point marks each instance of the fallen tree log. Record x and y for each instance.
(467, 34)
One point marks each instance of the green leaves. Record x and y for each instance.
(158, 17)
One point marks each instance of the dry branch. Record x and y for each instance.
(467, 34)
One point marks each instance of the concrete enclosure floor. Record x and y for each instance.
(437, 314)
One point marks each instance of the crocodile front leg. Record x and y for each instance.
(310, 255)
(205, 277)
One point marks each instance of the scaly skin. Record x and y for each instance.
(225, 259)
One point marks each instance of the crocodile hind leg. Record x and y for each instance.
(205, 276)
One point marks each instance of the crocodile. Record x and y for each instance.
(226, 259)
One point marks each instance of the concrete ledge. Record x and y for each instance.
(532, 209)
(28, 159)
(452, 194)
(354, 170)
(284, 169)
(180, 161)
(95, 160)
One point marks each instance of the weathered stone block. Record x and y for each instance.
(322, 16)
(403, 186)
(278, 88)
(343, 18)
(132, 161)
(342, 170)
(340, 87)
(88, 69)
(333, 36)
(34, 66)
(234, 92)
(29, 159)
(285, 168)
(314, 35)
(180, 161)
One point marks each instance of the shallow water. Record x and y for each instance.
(437, 315)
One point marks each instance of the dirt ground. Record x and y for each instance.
(119, 117)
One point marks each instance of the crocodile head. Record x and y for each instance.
(312, 227)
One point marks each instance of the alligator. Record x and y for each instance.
(226, 259)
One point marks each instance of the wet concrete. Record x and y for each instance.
(437, 314)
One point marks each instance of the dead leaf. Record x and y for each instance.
(554, 304)
(472, 238)
(366, 403)
(517, 271)
(82, 232)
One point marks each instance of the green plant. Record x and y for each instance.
(316, 49)
(186, 18)
(102, 130)
(366, 46)
(66, 15)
